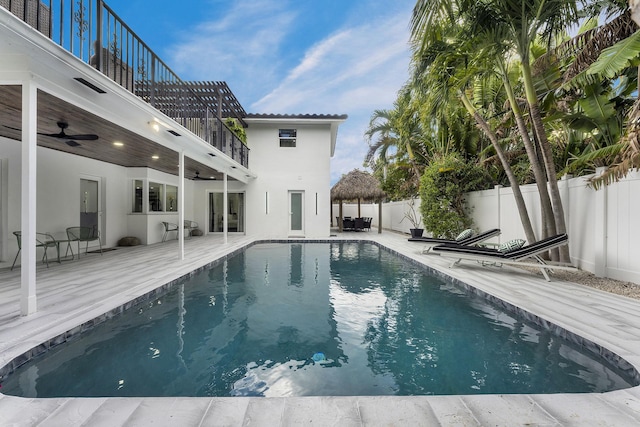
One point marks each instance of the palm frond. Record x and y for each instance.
(593, 42)
(590, 158)
(616, 58)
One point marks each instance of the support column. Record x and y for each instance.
(225, 207)
(28, 299)
(181, 204)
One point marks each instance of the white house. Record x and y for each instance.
(95, 130)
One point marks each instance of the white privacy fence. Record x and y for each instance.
(603, 226)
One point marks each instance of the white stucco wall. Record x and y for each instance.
(303, 168)
(58, 197)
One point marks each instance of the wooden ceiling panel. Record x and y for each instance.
(136, 150)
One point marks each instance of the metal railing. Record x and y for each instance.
(92, 31)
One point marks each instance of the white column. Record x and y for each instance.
(181, 204)
(225, 207)
(600, 229)
(28, 299)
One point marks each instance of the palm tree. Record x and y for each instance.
(392, 140)
(521, 21)
(446, 70)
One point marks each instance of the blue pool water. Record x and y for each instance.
(313, 319)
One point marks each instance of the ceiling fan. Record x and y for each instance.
(71, 139)
(199, 178)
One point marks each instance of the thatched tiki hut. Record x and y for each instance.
(358, 185)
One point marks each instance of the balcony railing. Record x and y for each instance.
(91, 31)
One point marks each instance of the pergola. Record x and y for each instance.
(358, 185)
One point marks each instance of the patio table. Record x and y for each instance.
(58, 238)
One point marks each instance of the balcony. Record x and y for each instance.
(92, 32)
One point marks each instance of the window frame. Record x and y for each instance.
(167, 200)
(288, 137)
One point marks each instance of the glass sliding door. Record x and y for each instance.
(235, 214)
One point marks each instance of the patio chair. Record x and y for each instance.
(168, 227)
(367, 223)
(43, 240)
(467, 237)
(348, 224)
(189, 226)
(491, 256)
(358, 224)
(83, 234)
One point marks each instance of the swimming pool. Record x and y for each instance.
(381, 326)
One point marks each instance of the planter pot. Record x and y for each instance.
(416, 232)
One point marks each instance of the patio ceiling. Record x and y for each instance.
(136, 151)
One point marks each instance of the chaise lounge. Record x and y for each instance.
(471, 239)
(515, 257)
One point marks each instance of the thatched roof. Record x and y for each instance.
(357, 185)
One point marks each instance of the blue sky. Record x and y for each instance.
(290, 57)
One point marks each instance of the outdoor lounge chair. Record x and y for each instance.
(471, 240)
(496, 257)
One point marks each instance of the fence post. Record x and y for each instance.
(498, 209)
(600, 229)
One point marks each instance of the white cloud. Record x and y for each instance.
(354, 70)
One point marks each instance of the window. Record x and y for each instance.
(162, 197)
(288, 137)
(137, 196)
(172, 198)
(156, 197)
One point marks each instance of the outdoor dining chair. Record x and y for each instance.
(83, 234)
(43, 240)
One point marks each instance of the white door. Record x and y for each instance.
(296, 213)
(90, 204)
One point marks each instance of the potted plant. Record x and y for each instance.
(415, 220)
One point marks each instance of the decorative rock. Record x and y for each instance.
(129, 241)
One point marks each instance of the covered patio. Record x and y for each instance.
(63, 100)
(360, 186)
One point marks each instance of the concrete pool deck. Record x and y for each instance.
(78, 291)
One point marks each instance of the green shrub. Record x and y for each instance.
(442, 188)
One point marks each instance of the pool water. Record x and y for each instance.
(313, 319)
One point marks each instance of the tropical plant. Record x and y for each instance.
(237, 129)
(455, 70)
(411, 215)
(442, 189)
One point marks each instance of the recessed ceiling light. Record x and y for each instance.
(118, 144)
(155, 157)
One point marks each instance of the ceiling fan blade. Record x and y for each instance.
(54, 135)
(71, 143)
(85, 137)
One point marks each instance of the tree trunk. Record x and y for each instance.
(538, 126)
(548, 227)
(515, 186)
